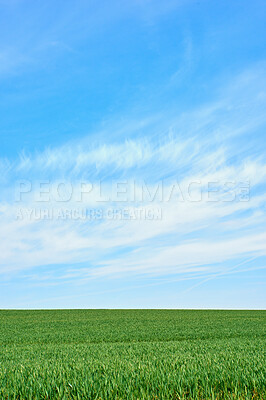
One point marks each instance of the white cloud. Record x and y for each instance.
(192, 236)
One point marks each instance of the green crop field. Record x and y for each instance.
(132, 354)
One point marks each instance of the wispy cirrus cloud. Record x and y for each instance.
(195, 234)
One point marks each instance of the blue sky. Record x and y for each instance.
(125, 110)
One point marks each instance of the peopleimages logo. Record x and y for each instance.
(118, 200)
(128, 191)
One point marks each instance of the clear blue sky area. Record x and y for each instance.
(100, 100)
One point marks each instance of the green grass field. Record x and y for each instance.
(132, 354)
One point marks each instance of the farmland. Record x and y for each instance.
(132, 354)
